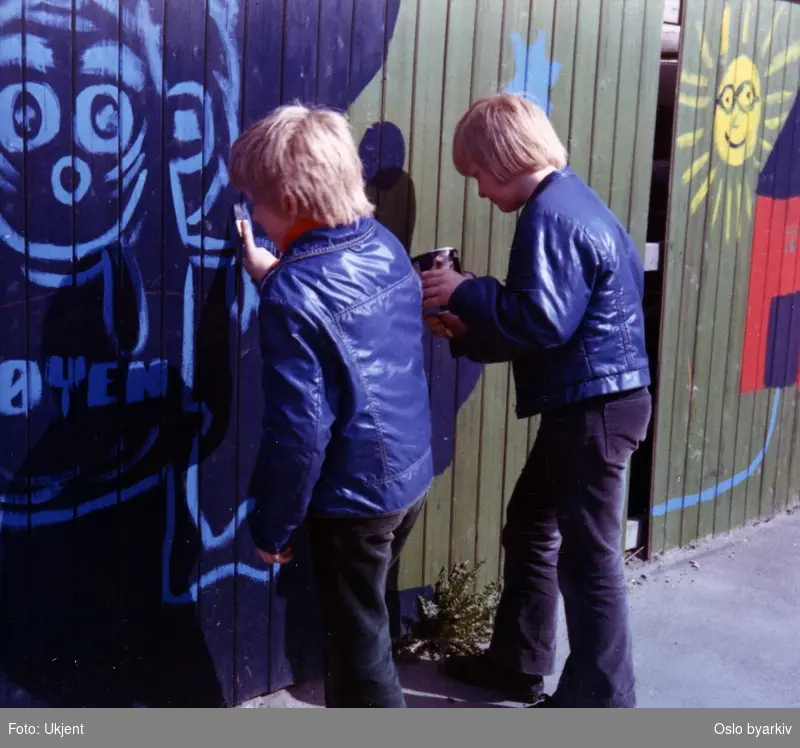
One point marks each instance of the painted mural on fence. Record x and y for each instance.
(126, 320)
(755, 122)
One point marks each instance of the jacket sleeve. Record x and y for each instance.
(552, 271)
(296, 424)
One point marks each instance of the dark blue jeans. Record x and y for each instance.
(564, 532)
(352, 559)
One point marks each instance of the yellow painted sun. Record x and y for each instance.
(743, 114)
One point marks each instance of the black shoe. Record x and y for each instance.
(479, 670)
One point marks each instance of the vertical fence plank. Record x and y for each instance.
(262, 59)
(19, 392)
(633, 47)
(645, 123)
(584, 87)
(674, 371)
(426, 134)
(399, 108)
(477, 232)
(465, 429)
(517, 20)
(771, 423)
(764, 401)
(606, 97)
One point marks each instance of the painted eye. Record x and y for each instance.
(726, 98)
(103, 119)
(30, 116)
(746, 96)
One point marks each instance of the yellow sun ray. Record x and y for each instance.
(766, 146)
(717, 200)
(696, 102)
(702, 190)
(695, 168)
(688, 139)
(704, 48)
(739, 210)
(694, 80)
(780, 97)
(726, 32)
(746, 23)
(728, 206)
(784, 58)
(774, 123)
(768, 38)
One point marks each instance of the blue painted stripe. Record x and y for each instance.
(708, 494)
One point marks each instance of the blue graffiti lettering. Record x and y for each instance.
(146, 381)
(20, 387)
(21, 382)
(65, 374)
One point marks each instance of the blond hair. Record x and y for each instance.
(302, 161)
(506, 135)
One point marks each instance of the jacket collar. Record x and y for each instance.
(551, 178)
(321, 239)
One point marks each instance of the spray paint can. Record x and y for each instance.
(434, 259)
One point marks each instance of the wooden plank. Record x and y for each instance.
(673, 372)
(461, 376)
(584, 87)
(300, 34)
(426, 134)
(335, 51)
(19, 393)
(785, 215)
(789, 493)
(758, 495)
(478, 217)
(703, 471)
(727, 343)
(289, 603)
(690, 397)
(645, 130)
(741, 447)
(542, 22)
(189, 668)
(369, 21)
(54, 334)
(398, 209)
(609, 97)
(516, 20)
(564, 43)
(626, 88)
(785, 448)
(262, 55)
(400, 77)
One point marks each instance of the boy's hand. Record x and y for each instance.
(445, 325)
(256, 260)
(438, 286)
(284, 557)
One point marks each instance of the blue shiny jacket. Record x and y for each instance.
(346, 424)
(569, 316)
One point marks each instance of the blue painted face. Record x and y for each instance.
(76, 148)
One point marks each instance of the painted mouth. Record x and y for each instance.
(732, 144)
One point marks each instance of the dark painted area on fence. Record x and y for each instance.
(129, 366)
